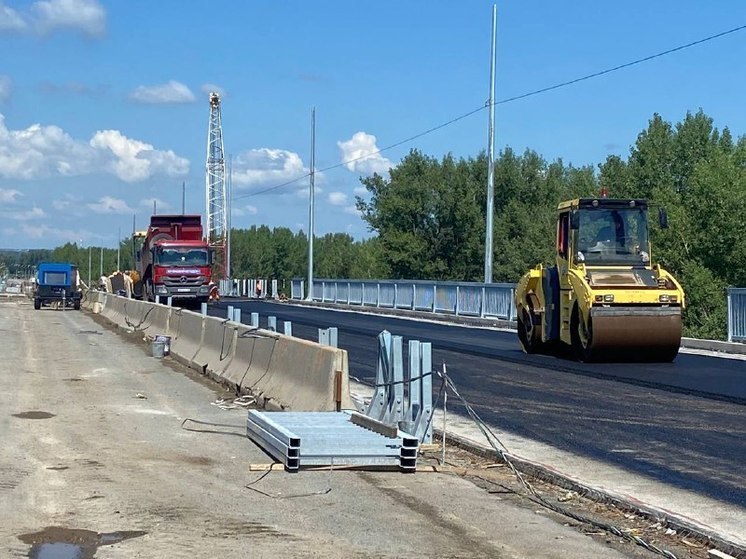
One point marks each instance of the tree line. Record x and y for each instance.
(427, 218)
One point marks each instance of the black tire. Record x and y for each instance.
(76, 304)
(529, 333)
(582, 338)
(37, 304)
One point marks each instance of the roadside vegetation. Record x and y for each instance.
(427, 219)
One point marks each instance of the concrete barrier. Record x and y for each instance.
(187, 339)
(217, 347)
(282, 371)
(304, 376)
(158, 321)
(97, 302)
(261, 358)
(114, 309)
(251, 358)
(135, 314)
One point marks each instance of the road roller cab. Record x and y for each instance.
(604, 297)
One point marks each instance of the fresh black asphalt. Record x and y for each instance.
(682, 423)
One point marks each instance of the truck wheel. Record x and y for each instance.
(37, 304)
(76, 304)
(529, 333)
(582, 338)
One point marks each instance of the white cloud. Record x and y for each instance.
(136, 160)
(86, 16)
(110, 205)
(360, 190)
(44, 151)
(208, 88)
(34, 213)
(359, 155)
(337, 198)
(9, 195)
(352, 210)
(167, 93)
(11, 20)
(245, 210)
(267, 167)
(5, 87)
(48, 233)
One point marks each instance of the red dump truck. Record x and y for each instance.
(173, 259)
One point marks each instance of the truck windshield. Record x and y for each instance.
(182, 257)
(618, 236)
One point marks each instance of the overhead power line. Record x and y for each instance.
(621, 66)
(501, 102)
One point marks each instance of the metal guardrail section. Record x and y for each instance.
(489, 300)
(736, 314)
(404, 398)
(330, 439)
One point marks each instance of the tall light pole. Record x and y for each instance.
(311, 212)
(490, 156)
(89, 266)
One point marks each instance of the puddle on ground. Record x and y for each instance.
(66, 543)
(33, 415)
(92, 332)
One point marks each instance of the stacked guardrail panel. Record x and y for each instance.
(330, 439)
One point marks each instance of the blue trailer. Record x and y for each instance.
(57, 282)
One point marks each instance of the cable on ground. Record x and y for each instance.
(534, 495)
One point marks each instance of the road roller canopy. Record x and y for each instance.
(609, 231)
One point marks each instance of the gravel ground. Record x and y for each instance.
(95, 458)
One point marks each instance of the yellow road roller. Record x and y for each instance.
(604, 298)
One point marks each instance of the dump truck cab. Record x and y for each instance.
(57, 282)
(604, 297)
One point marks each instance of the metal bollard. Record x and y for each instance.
(255, 319)
(272, 323)
(230, 312)
(157, 299)
(287, 328)
(328, 336)
(237, 315)
(203, 309)
(170, 301)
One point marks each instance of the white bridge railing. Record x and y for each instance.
(736, 314)
(493, 300)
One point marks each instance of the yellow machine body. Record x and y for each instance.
(603, 297)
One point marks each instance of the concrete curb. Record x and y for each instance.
(624, 502)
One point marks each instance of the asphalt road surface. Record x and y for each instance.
(681, 423)
(95, 454)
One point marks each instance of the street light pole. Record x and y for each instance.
(490, 157)
(311, 211)
(89, 267)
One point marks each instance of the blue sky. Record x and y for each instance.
(105, 107)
